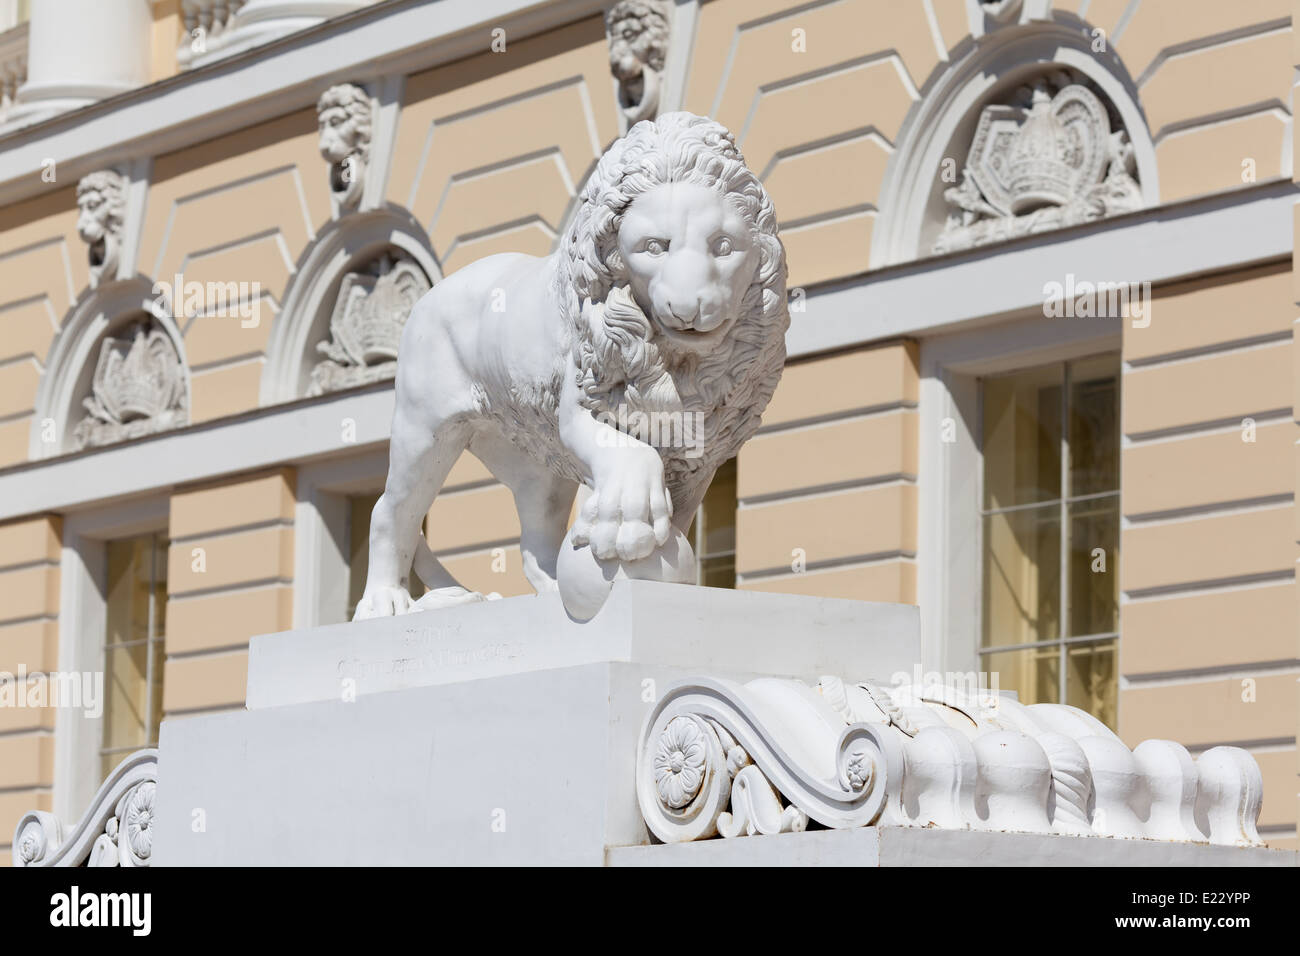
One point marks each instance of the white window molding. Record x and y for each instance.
(78, 735)
(950, 482)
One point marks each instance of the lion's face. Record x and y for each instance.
(92, 220)
(632, 47)
(338, 134)
(689, 258)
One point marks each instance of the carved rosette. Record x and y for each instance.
(344, 116)
(774, 756)
(138, 388)
(366, 325)
(637, 31)
(707, 767)
(1054, 157)
(116, 830)
(101, 206)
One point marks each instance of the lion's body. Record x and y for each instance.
(498, 358)
(530, 363)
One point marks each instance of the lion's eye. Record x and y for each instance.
(722, 246)
(656, 247)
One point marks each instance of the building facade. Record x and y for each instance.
(1041, 381)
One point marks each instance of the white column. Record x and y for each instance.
(80, 51)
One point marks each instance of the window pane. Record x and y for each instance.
(1022, 577)
(1022, 437)
(1094, 426)
(718, 513)
(1092, 682)
(1094, 566)
(135, 614)
(719, 571)
(1034, 673)
(127, 597)
(126, 706)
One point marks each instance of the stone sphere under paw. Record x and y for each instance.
(586, 580)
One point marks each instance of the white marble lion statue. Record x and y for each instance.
(635, 360)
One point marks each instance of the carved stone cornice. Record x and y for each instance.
(116, 830)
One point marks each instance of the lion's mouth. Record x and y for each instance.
(693, 338)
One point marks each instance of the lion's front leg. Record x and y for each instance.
(629, 512)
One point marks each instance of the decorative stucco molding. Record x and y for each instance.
(1049, 159)
(351, 244)
(117, 829)
(367, 321)
(720, 758)
(138, 388)
(345, 115)
(638, 32)
(924, 187)
(101, 201)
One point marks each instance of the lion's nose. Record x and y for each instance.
(684, 313)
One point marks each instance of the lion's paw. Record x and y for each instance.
(629, 512)
(384, 601)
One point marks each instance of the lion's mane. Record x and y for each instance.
(615, 349)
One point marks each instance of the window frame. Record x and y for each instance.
(155, 640)
(83, 609)
(1062, 502)
(951, 474)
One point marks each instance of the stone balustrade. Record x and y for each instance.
(219, 28)
(13, 66)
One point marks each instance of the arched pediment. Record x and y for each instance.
(351, 292)
(1033, 128)
(116, 371)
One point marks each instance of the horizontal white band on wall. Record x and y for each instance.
(966, 290)
(1181, 240)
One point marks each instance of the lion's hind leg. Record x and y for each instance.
(543, 501)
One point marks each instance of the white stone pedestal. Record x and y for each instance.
(497, 733)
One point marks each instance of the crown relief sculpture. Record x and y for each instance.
(1054, 162)
(367, 323)
(638, 46)
(138, 389)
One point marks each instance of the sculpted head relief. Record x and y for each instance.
(638, 47)
(666, 298)
(344, 116)
(101, 210)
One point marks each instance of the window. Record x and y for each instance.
(1050, 516)
(713, 532)
(135, 616)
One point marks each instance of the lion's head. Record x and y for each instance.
(343, 114)
(638, 38)
(101, 206)
(673, 280)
